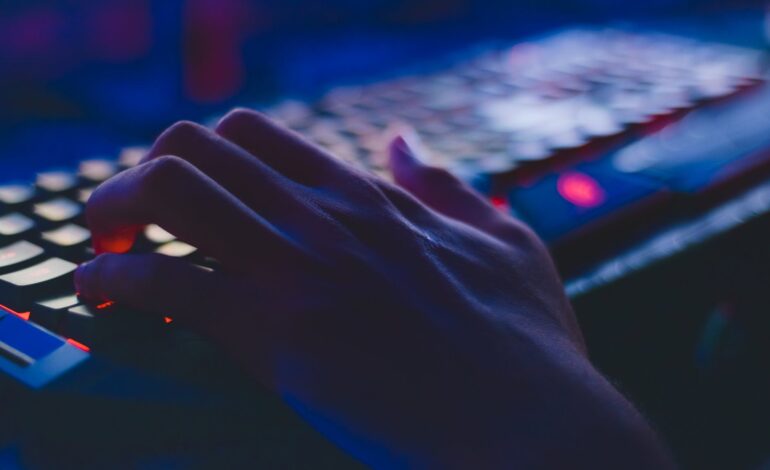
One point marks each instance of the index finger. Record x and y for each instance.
(175, 195)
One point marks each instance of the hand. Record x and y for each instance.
(413, 325)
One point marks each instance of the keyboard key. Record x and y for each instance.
(103, 324)
(56, 182)
(16, 195)
(67, 236)
(97, 170)
(84, 194)
(68, 241)
(21, 288)
(157, 235)
(176, 249)
(57, 210)
(18, 253)
(14, 225)
(131, 156)
(78, 322)
(48, 312)
(60, 302)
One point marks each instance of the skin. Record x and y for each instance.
(413, 324)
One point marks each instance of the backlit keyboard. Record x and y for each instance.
(533, 126)
(44, 237)
(542, 127)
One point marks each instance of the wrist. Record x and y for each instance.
(578, 421)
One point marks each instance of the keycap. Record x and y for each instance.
(158, 235)
(55, 182)
(20, 288)
(97, 170)
(67, 235)
(176, 249)
(84, 194)
(17, 254)
(14, 225)
(78, 322)
(102, 324)
(67, 241)
(131, 156)
(48, 312)
(535, 150)
(57, 210)
(16, 195)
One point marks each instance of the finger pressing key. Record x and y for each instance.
(175, 195)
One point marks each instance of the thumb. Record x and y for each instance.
(436, 187)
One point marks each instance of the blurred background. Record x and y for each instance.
(94, 75)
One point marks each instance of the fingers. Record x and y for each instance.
(155, 283)
(282, 149)
(439, 189)
(246, 177)
(177, 196)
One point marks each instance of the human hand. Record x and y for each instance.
(413, 325)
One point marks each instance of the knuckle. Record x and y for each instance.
(236, 119)
(158, 173)
(523, 237)
(183, 130)
(179, 132)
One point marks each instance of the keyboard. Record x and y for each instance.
(611, 144)
(97, 386)
(533, 125)
(578, 133)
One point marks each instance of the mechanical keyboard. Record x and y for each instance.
(530, 126)
(605, 141)
(542, 127)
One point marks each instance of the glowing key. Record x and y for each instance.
(580, 189)
(499, 203)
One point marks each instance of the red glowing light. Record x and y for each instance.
(168, 320)
(106, 304)
(580, 190)
(499, 202)
(22, 315)
(78, 345)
